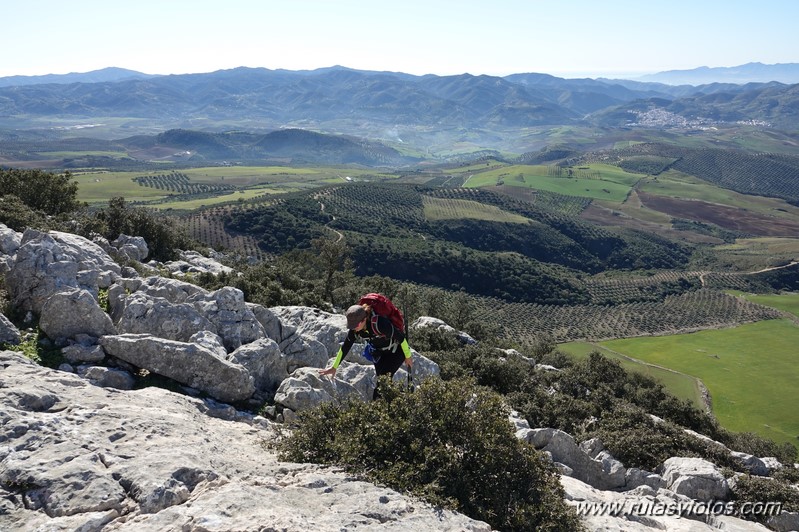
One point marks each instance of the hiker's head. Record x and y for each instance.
(356, 315)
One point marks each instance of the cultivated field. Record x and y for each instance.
(453, 209)
(787, 302)
(751, 372)
(181, 189)
(598, 181)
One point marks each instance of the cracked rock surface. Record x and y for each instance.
(75, 456)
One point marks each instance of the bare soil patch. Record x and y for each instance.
(732, 218)
(607, 217)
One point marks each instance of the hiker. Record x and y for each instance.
(386, 345)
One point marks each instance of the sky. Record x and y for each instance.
(566, 38)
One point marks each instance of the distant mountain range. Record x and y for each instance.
(386, 105)
(105, 74)
(787, 73)
(748, 73)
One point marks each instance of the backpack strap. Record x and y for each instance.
(377, 332)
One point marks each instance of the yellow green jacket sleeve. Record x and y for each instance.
(406, 348)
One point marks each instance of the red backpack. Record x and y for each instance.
(381, 305)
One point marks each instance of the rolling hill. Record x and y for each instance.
(384, 105)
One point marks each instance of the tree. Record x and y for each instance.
(41, 191)
(163, 237)
(333, 257)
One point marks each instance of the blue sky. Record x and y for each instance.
(568, 38)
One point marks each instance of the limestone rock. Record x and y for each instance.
(9, 334)
(73, 312)
(604, 472)
(362, 377)
(784, 522)
(77, 353)
(232, 319)
(646, 510)
(9, 240)
(47, 263)
(131, 247)
(292, 342)
(434, 323)
(9, 244)
(265, 362)
(79, 457)
(695, 478)
(305, 389)
(173, 290)
(193, 262)
(107, 377)
(324, 327)
(146, 314)
(189, 364)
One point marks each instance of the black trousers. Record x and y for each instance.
(387, 364)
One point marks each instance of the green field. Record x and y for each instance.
(751, 372)
(77, 154)
(787, 302)
(240, 195)
(98, 187)
(454, 209)
(763, 246)
(679, 384)
(609, 182)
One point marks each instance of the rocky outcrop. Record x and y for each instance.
(696, 479)
(47, 263)
(75, 456)
(185, 362)
(9, 244)
(73, 312)
(133, 248)
(644, 509)
(602, 472)
(192, 263)
(428, 322)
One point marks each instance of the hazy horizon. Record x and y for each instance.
(574, 38)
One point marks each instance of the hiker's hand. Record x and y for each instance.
(329, 371)
(409, 362)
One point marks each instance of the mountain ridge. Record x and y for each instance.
(747, 73)
(487, 112)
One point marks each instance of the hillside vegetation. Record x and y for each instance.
(508, 259)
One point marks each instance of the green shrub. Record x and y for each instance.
(163, 236)
(488, 366)
(637, 440)
(751, 443)
(753, 489)
(427, 339)
(18, 216)
(449, 443)
(37, 348)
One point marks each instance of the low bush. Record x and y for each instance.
(15, 214)
(638, 440)
(753, 489)
(751, 443)
(449, 443)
